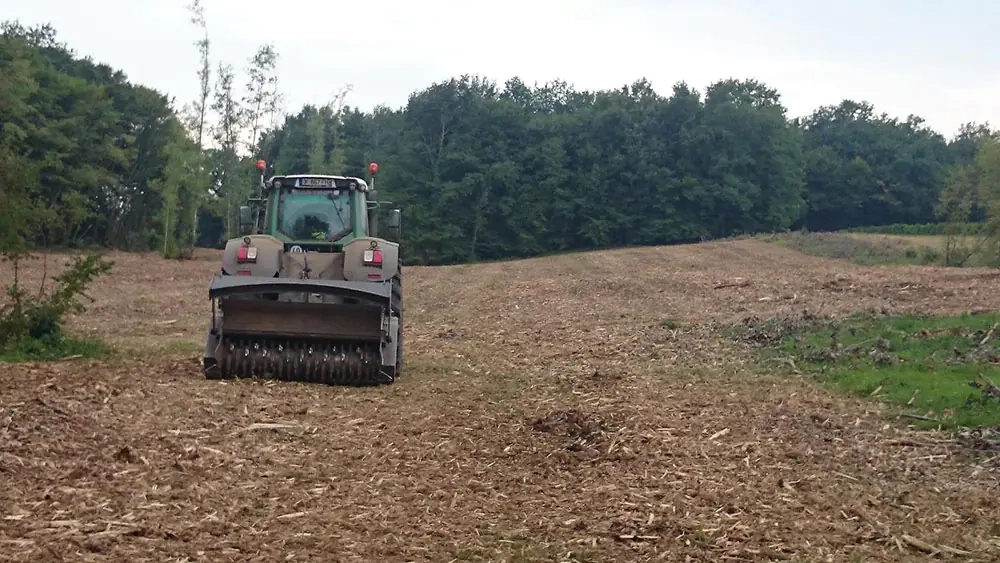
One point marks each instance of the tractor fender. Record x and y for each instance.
(355, 268)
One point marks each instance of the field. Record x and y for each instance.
(588, 407)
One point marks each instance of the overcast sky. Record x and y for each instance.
(935, 59)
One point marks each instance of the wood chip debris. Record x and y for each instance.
(546, 413)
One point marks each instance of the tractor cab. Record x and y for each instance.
(317, 212)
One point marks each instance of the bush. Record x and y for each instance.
(31, 326)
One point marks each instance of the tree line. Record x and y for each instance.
(481, 171)
(104, 162)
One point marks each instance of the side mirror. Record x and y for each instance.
(246, 220)
(395, 218)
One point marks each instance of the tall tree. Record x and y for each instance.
(204, 72)
(227, 133)
(262, 97)
(326, 153)
(200, 109)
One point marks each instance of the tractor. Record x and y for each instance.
(311, 292)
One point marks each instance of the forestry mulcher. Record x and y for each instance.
(312, 293)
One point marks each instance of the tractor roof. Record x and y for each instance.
(340, 182)
(316, 176)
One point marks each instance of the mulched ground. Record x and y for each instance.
(579, 408)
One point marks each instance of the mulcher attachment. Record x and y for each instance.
(283, 329)
(290, 360)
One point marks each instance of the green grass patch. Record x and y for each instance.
(53, 347)
(923, 229)
(937, 368)
(881, 249)
(860, 250)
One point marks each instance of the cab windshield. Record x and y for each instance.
(312, 214)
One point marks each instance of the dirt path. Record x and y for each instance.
(568, 409)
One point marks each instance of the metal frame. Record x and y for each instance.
(221, 286)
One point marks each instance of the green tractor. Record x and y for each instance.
(311, 292)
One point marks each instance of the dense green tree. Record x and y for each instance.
(98, 142)
(867, 169)
(482, 171)
(485, 173)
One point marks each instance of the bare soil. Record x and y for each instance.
(577, 408)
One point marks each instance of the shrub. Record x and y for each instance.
(32, 323)
(40, 317)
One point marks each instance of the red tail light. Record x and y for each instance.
(246, 254)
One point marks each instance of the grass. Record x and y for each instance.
(927, 367)
(923, 229)
(861, 249)
(879, 249)
(53, 347)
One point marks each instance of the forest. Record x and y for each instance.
(481, 171)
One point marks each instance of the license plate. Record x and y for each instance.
(322, 182)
